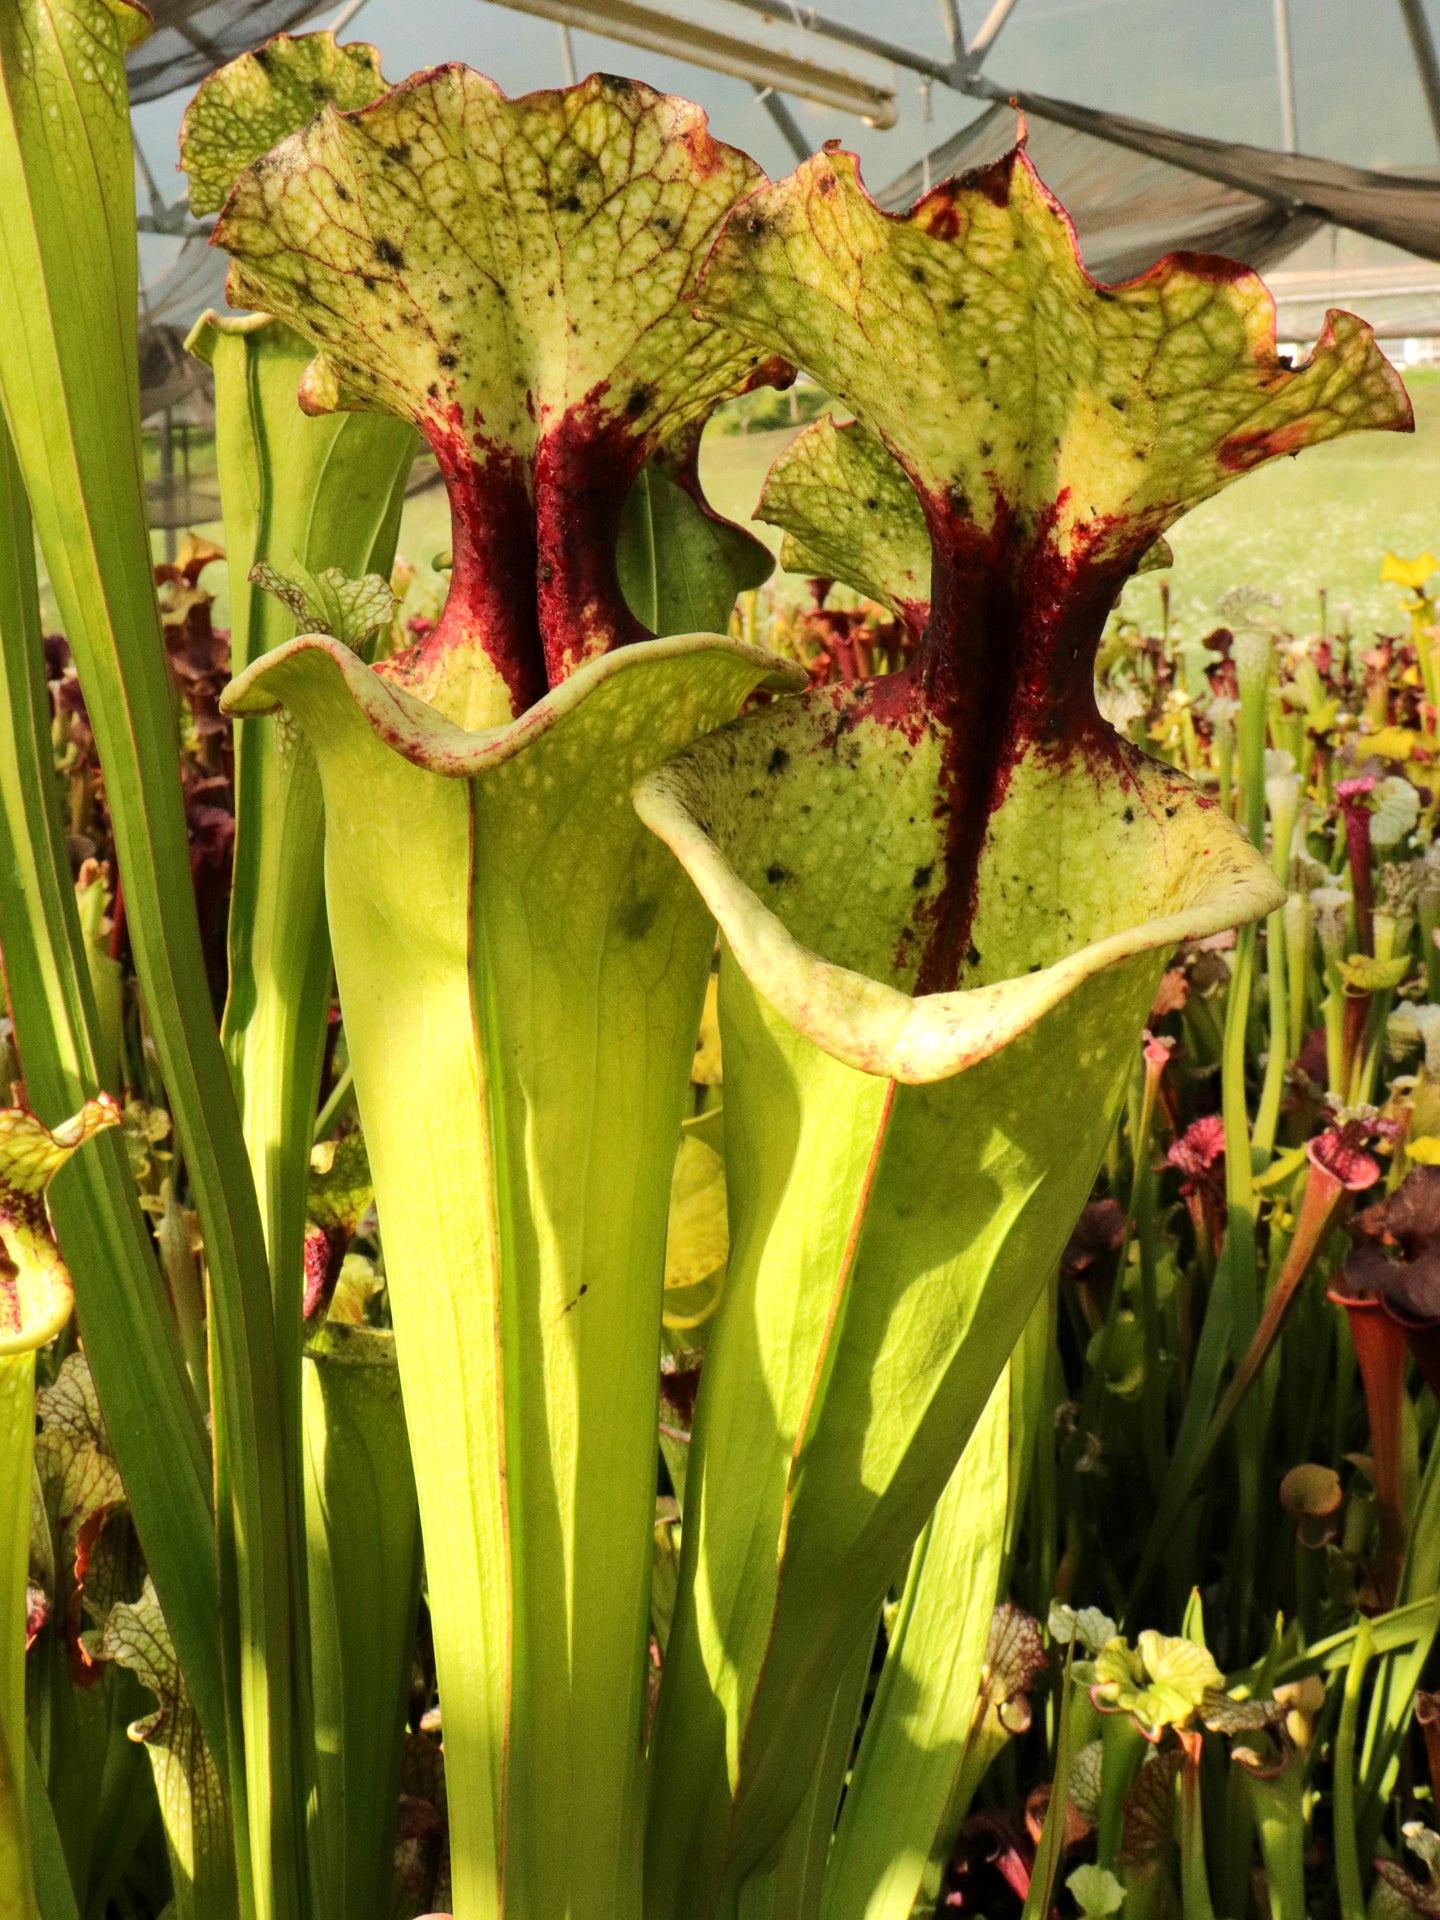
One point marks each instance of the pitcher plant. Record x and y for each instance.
(942, 899)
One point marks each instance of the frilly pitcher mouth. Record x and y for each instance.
(428, 740)
(824, 901)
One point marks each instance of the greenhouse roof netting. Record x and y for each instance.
(1151, 189)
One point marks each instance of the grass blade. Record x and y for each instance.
(1052, 1841)
(1347, 1849)
(129, 1333)
(54, 1895)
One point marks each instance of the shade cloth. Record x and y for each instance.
(1127, 210)
(1136, 191)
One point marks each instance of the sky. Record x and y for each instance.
(1207, 66)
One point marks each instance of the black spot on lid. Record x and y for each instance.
(917, 274)
(873, 504)
(1129, 816)
(972, 958)
(640, 398)
(636, 918)
(921, 877)
(776, 873)
(448, 359)
(779, 760)
(389, 255)
(570, 203)
(342, 193)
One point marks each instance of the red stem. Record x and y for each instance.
(1357, 841)
(1323, 1194)
(1380, 1349)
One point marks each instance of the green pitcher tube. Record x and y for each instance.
(362, 1531)
(326, 492)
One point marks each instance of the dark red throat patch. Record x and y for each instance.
(1007, 663)
(492, 583)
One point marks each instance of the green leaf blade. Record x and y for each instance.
(679, 564)
(68, 369)
(130, 1331)
(363, 1546)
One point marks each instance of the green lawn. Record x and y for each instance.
(1325, 519)
(733, 467)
